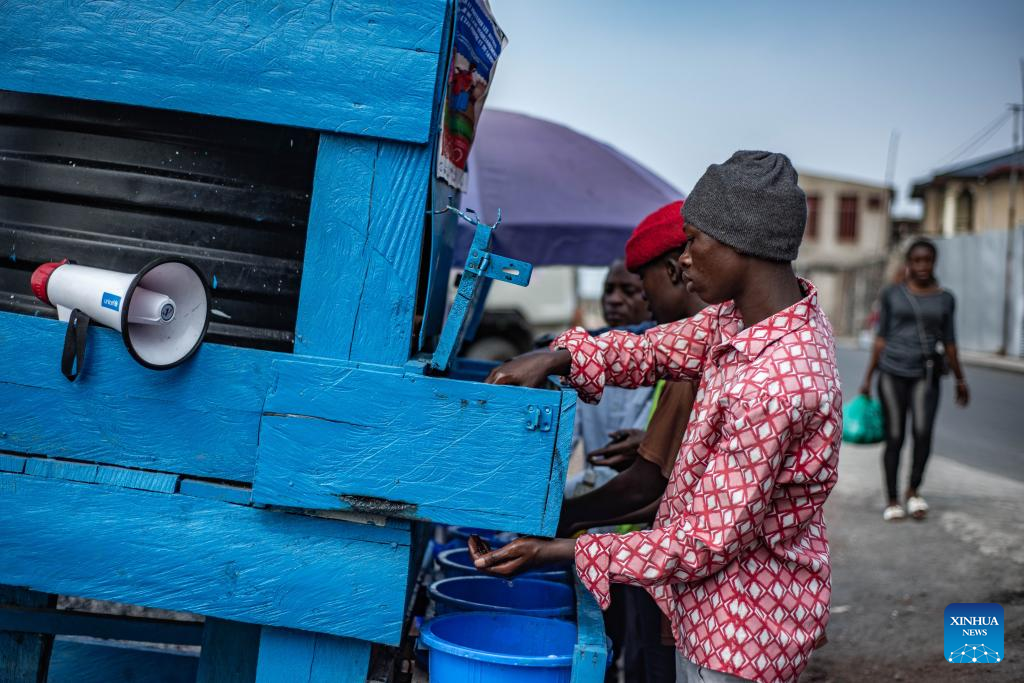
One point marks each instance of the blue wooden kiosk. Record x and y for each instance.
(286, 496)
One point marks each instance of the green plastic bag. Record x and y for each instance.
(862, 421)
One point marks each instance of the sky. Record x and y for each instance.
(680, 85)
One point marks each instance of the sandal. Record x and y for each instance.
(917, 507)
(894, 513)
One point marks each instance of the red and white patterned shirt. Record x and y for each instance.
(737, 557)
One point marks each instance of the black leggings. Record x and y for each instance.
(900, 395)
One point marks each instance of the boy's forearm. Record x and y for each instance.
(643, 515)
(636, 488)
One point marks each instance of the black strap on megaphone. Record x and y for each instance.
(74, 344)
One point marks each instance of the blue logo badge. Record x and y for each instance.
(973, 633)
(111, 301)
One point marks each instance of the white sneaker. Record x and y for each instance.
(894, 513)
(917, 507)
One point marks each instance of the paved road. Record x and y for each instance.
(891, 582)
(988, 434)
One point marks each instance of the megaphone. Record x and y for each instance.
(162, 312)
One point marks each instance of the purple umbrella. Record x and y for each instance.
(565, 199)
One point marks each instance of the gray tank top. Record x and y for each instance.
(904, 353)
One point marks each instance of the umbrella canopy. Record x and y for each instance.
(565, 198)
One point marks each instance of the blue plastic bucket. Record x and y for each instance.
(499, 648)
(457, 562)
(488, 594)
(456, 537)
(438, 548)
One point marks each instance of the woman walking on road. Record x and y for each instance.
(916, 316)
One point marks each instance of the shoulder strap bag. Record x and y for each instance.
(931, 356)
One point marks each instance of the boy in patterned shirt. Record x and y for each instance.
(737, 558)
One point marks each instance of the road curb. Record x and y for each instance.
(969, 358)
(992, 362)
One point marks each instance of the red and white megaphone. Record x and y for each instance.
(162, 311)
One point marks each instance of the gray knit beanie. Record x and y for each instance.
(751, 203)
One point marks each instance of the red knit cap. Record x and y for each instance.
(657, 234)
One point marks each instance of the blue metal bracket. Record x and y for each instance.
(481, 265)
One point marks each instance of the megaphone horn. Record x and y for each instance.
(162, 312)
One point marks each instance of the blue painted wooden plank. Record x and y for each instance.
(229, 653)
(61, 469)
(364, 67)
(93, 625)
(384, 321)
(590, 656)
(142, 433)
(429, 448)
(240, 495)
(76, 661)
(339, 660)
(200, 418)
(333, 265)
(361, 261)
(12, 463)
(24, 657)
(160, 482)
(217, 378)
(289, 656)
(285, 655)
(560, 463)
(184, 553)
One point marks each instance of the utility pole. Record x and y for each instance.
(1015, 108)
(1015, 162)
(890, 170)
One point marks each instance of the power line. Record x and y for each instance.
(975, 140)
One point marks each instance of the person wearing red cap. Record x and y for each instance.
(652, 252)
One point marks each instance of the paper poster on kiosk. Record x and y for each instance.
(478, 43)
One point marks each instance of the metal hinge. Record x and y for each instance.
(538, 418)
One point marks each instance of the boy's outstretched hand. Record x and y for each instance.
(520, 555)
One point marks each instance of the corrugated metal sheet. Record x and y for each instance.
(114, 186)
(973, 267)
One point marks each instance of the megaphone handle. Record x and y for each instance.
(74, 344)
